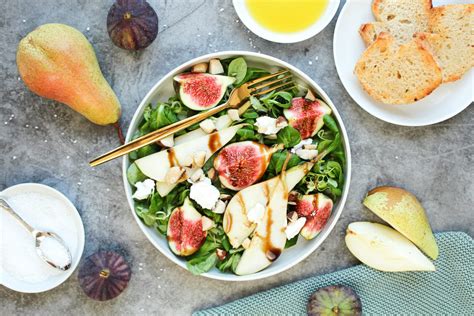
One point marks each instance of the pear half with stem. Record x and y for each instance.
(385, 249)
(404, 212)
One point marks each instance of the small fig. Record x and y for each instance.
(334, 300)
(306, 116)
(132, 24)
(317, 209)
(202, 91)
(185, 230)
(240, 165)
(104, 275)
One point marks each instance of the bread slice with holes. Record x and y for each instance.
(401, 18)
(394, 74)
(452, 43)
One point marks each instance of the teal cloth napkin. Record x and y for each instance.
(448, 291)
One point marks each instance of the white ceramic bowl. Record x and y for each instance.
(76, 253)
(258, 29)
(289, 257)
(443, 103)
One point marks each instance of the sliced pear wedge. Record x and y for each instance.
(156, 166)
(269, 238)
(235, 222)
(385, 249)
(404, 212)
(222, 122)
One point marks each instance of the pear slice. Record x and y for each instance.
(236, 224)
(385, 249)
(404, 212)
(269, 238)
(156, 166)
(221, 122)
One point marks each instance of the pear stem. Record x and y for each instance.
(119, 132)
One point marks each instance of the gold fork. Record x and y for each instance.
(238, 96)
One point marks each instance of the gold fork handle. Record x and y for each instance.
(157, 135)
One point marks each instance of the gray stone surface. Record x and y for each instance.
(43, 141)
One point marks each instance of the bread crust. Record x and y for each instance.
(378, 4)
(402, 22)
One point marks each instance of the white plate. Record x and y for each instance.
(289, 257)
(69, 211)
(446, 101)
(258, 29)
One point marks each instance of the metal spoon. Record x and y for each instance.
(40, 236)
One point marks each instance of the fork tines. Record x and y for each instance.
(262, 86)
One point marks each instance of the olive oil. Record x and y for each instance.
(286, 16)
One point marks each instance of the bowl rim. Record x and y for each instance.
(286, 38)
(341, 203)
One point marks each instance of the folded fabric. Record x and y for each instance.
(447, 291)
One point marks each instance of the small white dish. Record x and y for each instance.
(70, 211)
(164, 89)
(443, 103)
(246, 18)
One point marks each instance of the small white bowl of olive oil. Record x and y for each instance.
(286, 21)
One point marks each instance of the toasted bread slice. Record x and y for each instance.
(394, 74)
(370, 31)
(401, 18)
(453, 41)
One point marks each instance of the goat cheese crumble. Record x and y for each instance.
(268, 125)
(300, 145)
(255, 214)
(204, 193)
(144, 189)
(294, 228)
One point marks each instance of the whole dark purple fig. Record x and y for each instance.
(104, 275)
(132, 24)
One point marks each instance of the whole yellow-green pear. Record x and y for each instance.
(404, 212)
(57, 62)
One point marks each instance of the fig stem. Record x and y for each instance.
(104, 273)
(127, 16)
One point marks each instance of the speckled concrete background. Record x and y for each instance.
(43, 141)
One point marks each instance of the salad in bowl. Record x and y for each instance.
(230, 196)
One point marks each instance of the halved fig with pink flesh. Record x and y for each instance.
(202, 91)
(317, 209)
(240, 165)
(185, 234)
(306, 115)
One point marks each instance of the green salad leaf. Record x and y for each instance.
(291, 242)
(202, 264)
(230, 263)
(134, 174)
(289, 136)
(278, 160)
(238, 69)
(326, 176)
